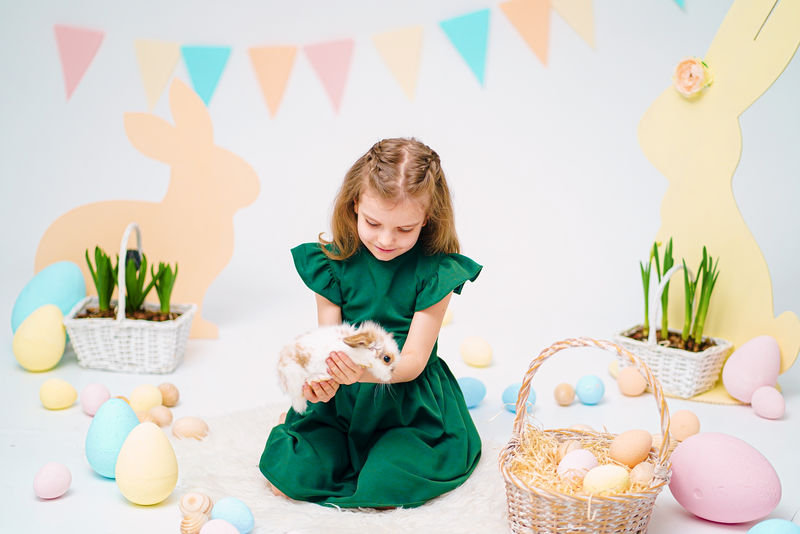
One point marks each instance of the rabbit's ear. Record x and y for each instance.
(151, 135)
(190, 113)
(753, 45)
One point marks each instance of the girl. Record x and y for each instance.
(393, 259)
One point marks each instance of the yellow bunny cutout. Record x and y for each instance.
(696, 144)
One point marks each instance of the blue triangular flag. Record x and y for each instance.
(205, 65)
(681, 4)
(469, 34)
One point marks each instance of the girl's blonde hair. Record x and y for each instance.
(395, 169)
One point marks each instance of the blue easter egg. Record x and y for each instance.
(234, 512)
(510, 395)
(590, 389)
(775, 526)
(473, 389)
(112, 423)
(59, 283)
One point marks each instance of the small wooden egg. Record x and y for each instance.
(631, 447)
(683, 424)
(608, 478)
(191, 524)
(631, 382)
(145, 397)
(564, 394)
(566, 447)
(195, 503)
(190, 427)
(160, 415)
(642, 473)
(169, 394)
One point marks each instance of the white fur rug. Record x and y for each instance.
(225, 464)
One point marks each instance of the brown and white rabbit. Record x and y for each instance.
(303, 360)
(696, 144)
(192, 225)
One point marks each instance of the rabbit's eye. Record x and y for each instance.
(387, 358)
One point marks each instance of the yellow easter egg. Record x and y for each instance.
(476, 351)
(145, 397)
(39, 341)
(448, 317)
(608, 478)
(57, 394)
(147, 469)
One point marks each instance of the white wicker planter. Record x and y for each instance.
(131, 345)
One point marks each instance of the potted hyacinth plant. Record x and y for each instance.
(685, 361)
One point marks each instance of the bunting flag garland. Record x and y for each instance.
(205, 65)
(531, 18)
(401, 50)
(579, 14)
(157, 61)
(469, 34)
(273, 65)
(76, 48)
(681, 4)
(331, 62)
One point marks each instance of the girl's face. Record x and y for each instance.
(389, 228)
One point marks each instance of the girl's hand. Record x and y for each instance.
(342, 368)
(320, 391)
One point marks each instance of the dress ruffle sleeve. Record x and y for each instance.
(449, 276)
(316, 271)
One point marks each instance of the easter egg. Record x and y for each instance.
(160, 415)
(576, 464)
(190, 427)
(473, 389)
(756, 363)
(234, 512)
(92, 397)
(144, 397)
(775, 526)
(218, 526)
(194, 503)
(39, 341)
(683, 424)
(564, 394)
(631, 382)
(52, 481)
(767, 402)
(57, 394)
(60, 284)
(510, 395)
(112, 423)
(608, 478)
(169, 394)
(721, 478)
(476, 351)
(590, 389)
(448, 317)
(147, 469)
(631, 447)
(642, 473)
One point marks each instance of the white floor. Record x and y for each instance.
(235, 372)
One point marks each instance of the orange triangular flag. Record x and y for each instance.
(77, 48)
(157, 61)
(273, 65)
(531, 18)
(578, 14)
(402, 50)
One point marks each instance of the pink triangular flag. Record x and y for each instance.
(331, 61)
(77, 48)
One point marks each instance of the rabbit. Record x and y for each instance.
(696, 144)
(303, 360)
(192, 225)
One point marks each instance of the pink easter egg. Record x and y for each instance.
(721, 478)
(754, 364)
(52, 481)
(92, 396)
(768, 403)
(218, 526)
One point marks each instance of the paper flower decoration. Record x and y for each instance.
(691, 76)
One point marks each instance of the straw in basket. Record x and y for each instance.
(131, 345)
(682, 373)
(534, 509)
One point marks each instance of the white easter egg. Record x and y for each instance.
(756, 363)
(576, 464)
(147, 469)
(39, 341)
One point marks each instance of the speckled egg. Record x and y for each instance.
(756, 363)
(590, 389)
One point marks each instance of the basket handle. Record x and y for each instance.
(121, 262)
(524, 390)
(655, 297)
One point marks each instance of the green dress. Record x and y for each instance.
(377, 445)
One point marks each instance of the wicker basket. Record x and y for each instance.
(533, 509)
(130, 345)
(682, 373)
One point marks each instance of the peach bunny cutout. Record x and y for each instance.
(192, 225)
(696, 144)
